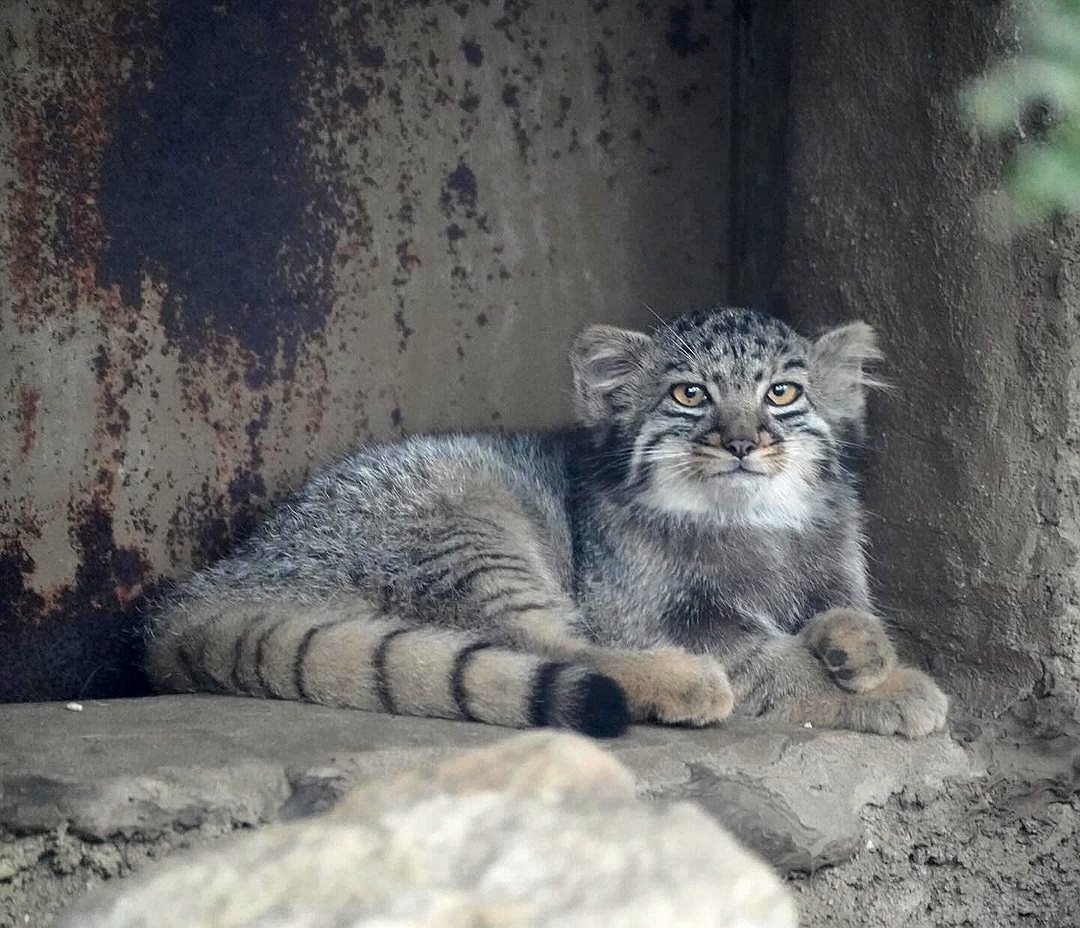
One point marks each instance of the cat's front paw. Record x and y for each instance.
(674, 687)
(853, 646)
(907, 703)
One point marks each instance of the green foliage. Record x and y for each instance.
(1044, 177)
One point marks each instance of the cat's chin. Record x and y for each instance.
(737, 498)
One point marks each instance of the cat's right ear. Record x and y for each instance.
(607, 363)
(841, 363)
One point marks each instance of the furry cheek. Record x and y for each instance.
(804, 458)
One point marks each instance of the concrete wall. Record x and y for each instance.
(974, 479)
(237, 237)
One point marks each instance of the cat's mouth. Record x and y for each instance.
(739, 474)
(739, 470)
(756, 464)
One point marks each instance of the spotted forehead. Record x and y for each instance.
(726, 343)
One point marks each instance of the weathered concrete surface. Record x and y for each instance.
(974, 482)
(237, 237)
(538, 829)
(140, 767)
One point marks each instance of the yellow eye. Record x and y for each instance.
(689, 394)
(783, 394)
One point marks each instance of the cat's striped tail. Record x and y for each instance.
(350, 655)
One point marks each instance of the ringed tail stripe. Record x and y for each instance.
(543, 689)
(237, 656)
(195, 665)
(200, 656)
(302, 653)
(260, 654)
(378, 662)
(457, 677)
(184, 656)
(238, 651)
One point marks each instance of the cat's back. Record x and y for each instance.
(363, 515)
(413, 474)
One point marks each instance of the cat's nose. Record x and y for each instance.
(740, 447)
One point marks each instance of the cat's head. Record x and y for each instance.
(729, 414)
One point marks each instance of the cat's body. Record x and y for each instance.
(585, 577)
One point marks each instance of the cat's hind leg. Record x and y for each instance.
(496, 570)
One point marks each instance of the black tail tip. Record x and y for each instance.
(599, 707)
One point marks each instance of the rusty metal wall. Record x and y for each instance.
(236, 237)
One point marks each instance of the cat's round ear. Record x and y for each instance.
(606, 361)
(842, 366)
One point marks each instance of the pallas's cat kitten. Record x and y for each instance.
(695, 545)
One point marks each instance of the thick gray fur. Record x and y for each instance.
(627, 557)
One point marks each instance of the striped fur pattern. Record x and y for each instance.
(583, 579)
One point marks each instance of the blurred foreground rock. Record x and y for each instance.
(539, 829)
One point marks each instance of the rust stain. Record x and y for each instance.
(60, 129)
(108, 577)
(408, 261)
(17, 527)
(26, 426)
(27, 265)
(81, 637)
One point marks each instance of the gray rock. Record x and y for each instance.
(766, 821)
(541, 830)
(243, 793)
(150, 765)
(795, 795)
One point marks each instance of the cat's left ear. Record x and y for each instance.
(841, 369)
(607, 363)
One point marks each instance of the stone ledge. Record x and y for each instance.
(142, 767)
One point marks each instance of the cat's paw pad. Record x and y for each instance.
(675, 687)
(908, 703)
(854, 648)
